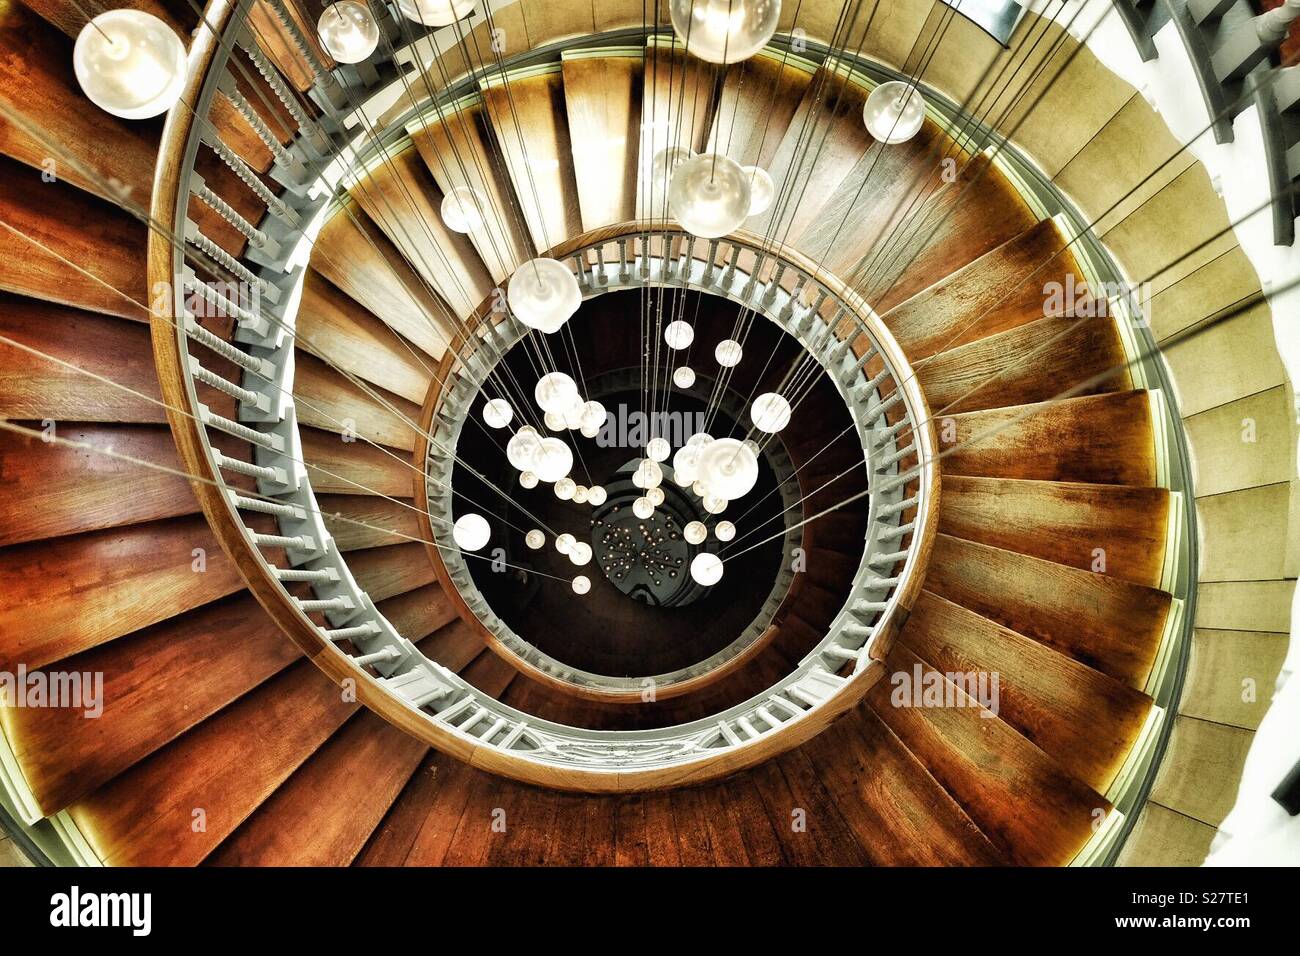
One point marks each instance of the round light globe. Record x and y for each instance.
(535, 539)
(761, 190)
(725, 530)
(658, 449)
(130, 63)
(679, 335)
(643, 507)
(464, 209)
(724, 31)
(581, 584)
(695, 532)
(498, 413)
(555, 392)
(543, 294)
(347, 31)
(435, 13)
(728, 469)
(684, 377)
(706, 569)
(471, 532)
(728, 353)
(709, 195)
(894, 112)
(770, 413)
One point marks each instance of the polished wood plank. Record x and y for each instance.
(385, 572)
(328, 400)
(355, 468)
(676, 91)
(602, 97)
(381, 522)
(1110, 625)
(1110, 529)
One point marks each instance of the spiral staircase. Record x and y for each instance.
(275, 697)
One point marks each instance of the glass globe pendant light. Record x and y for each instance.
(706, 569)
(535, 539)
(770, 413)
(695, 532)
(761, 190)
(580, 494)
(596, 495)
(347, 31)
(728, 353)
(709, 195)
(130, 63)
(553, 460)
(656, 496)
(643, 507)
(725, 530)
(564, 543)
(894, 112)
(497, 413)
(581, 584)
(662, 168)
(679, 334)
(564, 488)
(555, 392)
(684, 376)
(648, 474)
(528, 479)
(523, 449)
(554, 421)
(593, 417)
(580, 553)
(543, 294)
(464, 209)
(471, 532)
(724, 31)
(435, 13)
(728, 469)
(714, 504)
(658, 449)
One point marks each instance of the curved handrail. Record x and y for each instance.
(388, 674)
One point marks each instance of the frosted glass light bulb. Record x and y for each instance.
(593, 416)
(662, 168)
(580, 494)
(597, 495)
(130, 63)
(581, 584)
(728, 469)
(528, 479)
(770, 413)
(724, 31)
(648, 474)
(684, 377)
(471, 532)
(347, 31)
(573, 414)
(555, 392)
(554, 421)
(709, 195)
(894, 112)
(725, 530)
(523, 448)
(535, 539)
(714, 504)
(695, 532)
(580, 553)
(706, 569)
(728, 353)
(435, 13)
(643, 507)
(554, 459)
(564, 488)
(498, 413)
(464, 209)
(679, 334)
(658, 449)
(656, 496)
(543, 294)
(761, 190)
(564, 543)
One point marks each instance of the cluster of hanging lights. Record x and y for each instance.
(133, 65)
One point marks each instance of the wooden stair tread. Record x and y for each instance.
(1065, 522)
(367, 521)
(602, 97)
(1042, 441)
(1111, 625)
(355, 468)
(328, 400)
(1083, 719)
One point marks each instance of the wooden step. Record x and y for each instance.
(400, 197)
(334, 327)
(1002, 289)
(355, 468)
(1084, 720)
(328, 400)
(63, 245)
(602, 98)
(423, 611)
(1043, 441)
(821, 146)
(897, 811)
(759, 98)
(70, 594)
(1110, 529)
(531, 131)
(176, 806)
(33, 388)
(1110, 625)
(384, 522)
(355, 255)
(456, 147)
(1031, 363)
(384, 572)
(323, 814)
(157, 684)
(1034, 812)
